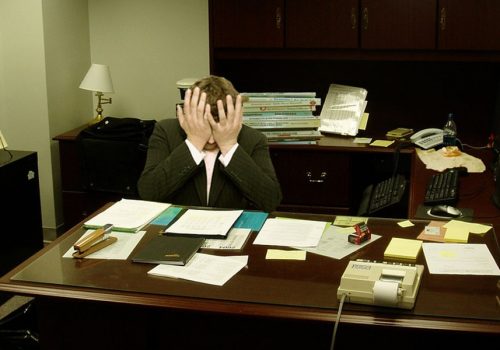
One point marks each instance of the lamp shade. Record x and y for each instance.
(98, 78)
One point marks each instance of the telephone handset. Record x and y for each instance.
(427, 138)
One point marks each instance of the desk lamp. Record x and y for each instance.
(98, 79)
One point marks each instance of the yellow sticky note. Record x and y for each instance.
(406, 223)
(403, 248)
(286, 254)
(382, 143)
(341, 220)
(364, 121)
(456, 234)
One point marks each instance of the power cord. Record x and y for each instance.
(337, 321)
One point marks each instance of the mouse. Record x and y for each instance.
(444, 211)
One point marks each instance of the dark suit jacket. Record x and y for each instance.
(171, 175)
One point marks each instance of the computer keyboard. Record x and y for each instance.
(443, 188)
(382, 194)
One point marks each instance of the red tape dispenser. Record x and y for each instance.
(93, 242)
(361, 235)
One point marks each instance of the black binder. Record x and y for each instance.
(169, 250)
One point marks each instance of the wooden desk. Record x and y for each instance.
(269, 304)
(475, 189)
(327, 178)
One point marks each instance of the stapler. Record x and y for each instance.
(93, 242)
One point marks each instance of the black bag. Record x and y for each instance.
(113, 154)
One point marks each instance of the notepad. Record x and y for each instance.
(403, 248)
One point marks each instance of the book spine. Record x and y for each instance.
(285, 101)
(279, 94)
(270, 124)
(247, 114)
(278, 108)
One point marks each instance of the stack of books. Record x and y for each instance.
(283, 116)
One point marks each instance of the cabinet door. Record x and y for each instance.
(398, 24)
(469, 24)
(314, 181)
(247, 24)
(322, 24)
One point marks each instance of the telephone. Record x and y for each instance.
(427, 138)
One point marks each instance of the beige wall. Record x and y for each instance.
(149, 45)
(24, 118)
(46, 47)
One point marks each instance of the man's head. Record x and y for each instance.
(216, 88)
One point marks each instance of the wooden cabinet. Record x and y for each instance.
(398, 24)
(330, 177)
(321, 24)
(425, 25)
(469, 24)
(258, 23)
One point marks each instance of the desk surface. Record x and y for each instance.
(460, 303)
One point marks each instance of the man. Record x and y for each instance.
(207, 157)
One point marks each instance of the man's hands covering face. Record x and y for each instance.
(226, 131)
(199, 124)
(194, 118)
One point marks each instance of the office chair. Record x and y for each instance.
(18, 330)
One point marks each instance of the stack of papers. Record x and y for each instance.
(127, 215)
(205, 223)
(343, 109)
(204, 268)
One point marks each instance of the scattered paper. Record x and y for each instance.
(460, 259)
(334, 244)
(437, 161)
(235, 240)
(204, 268)
(290, 232)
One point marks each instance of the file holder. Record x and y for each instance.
(93, 242)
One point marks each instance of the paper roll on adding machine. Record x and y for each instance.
(381, 283)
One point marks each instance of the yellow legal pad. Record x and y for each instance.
(403, 248)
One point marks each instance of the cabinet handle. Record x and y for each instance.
(278, 17)
(365, 18)
(354, 19)
(321, 179)
(442, 19)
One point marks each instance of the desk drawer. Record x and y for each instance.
(312, 178)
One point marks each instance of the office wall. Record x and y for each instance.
(149, 45)
(46, 47)
(67, 58)
(24, 118)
